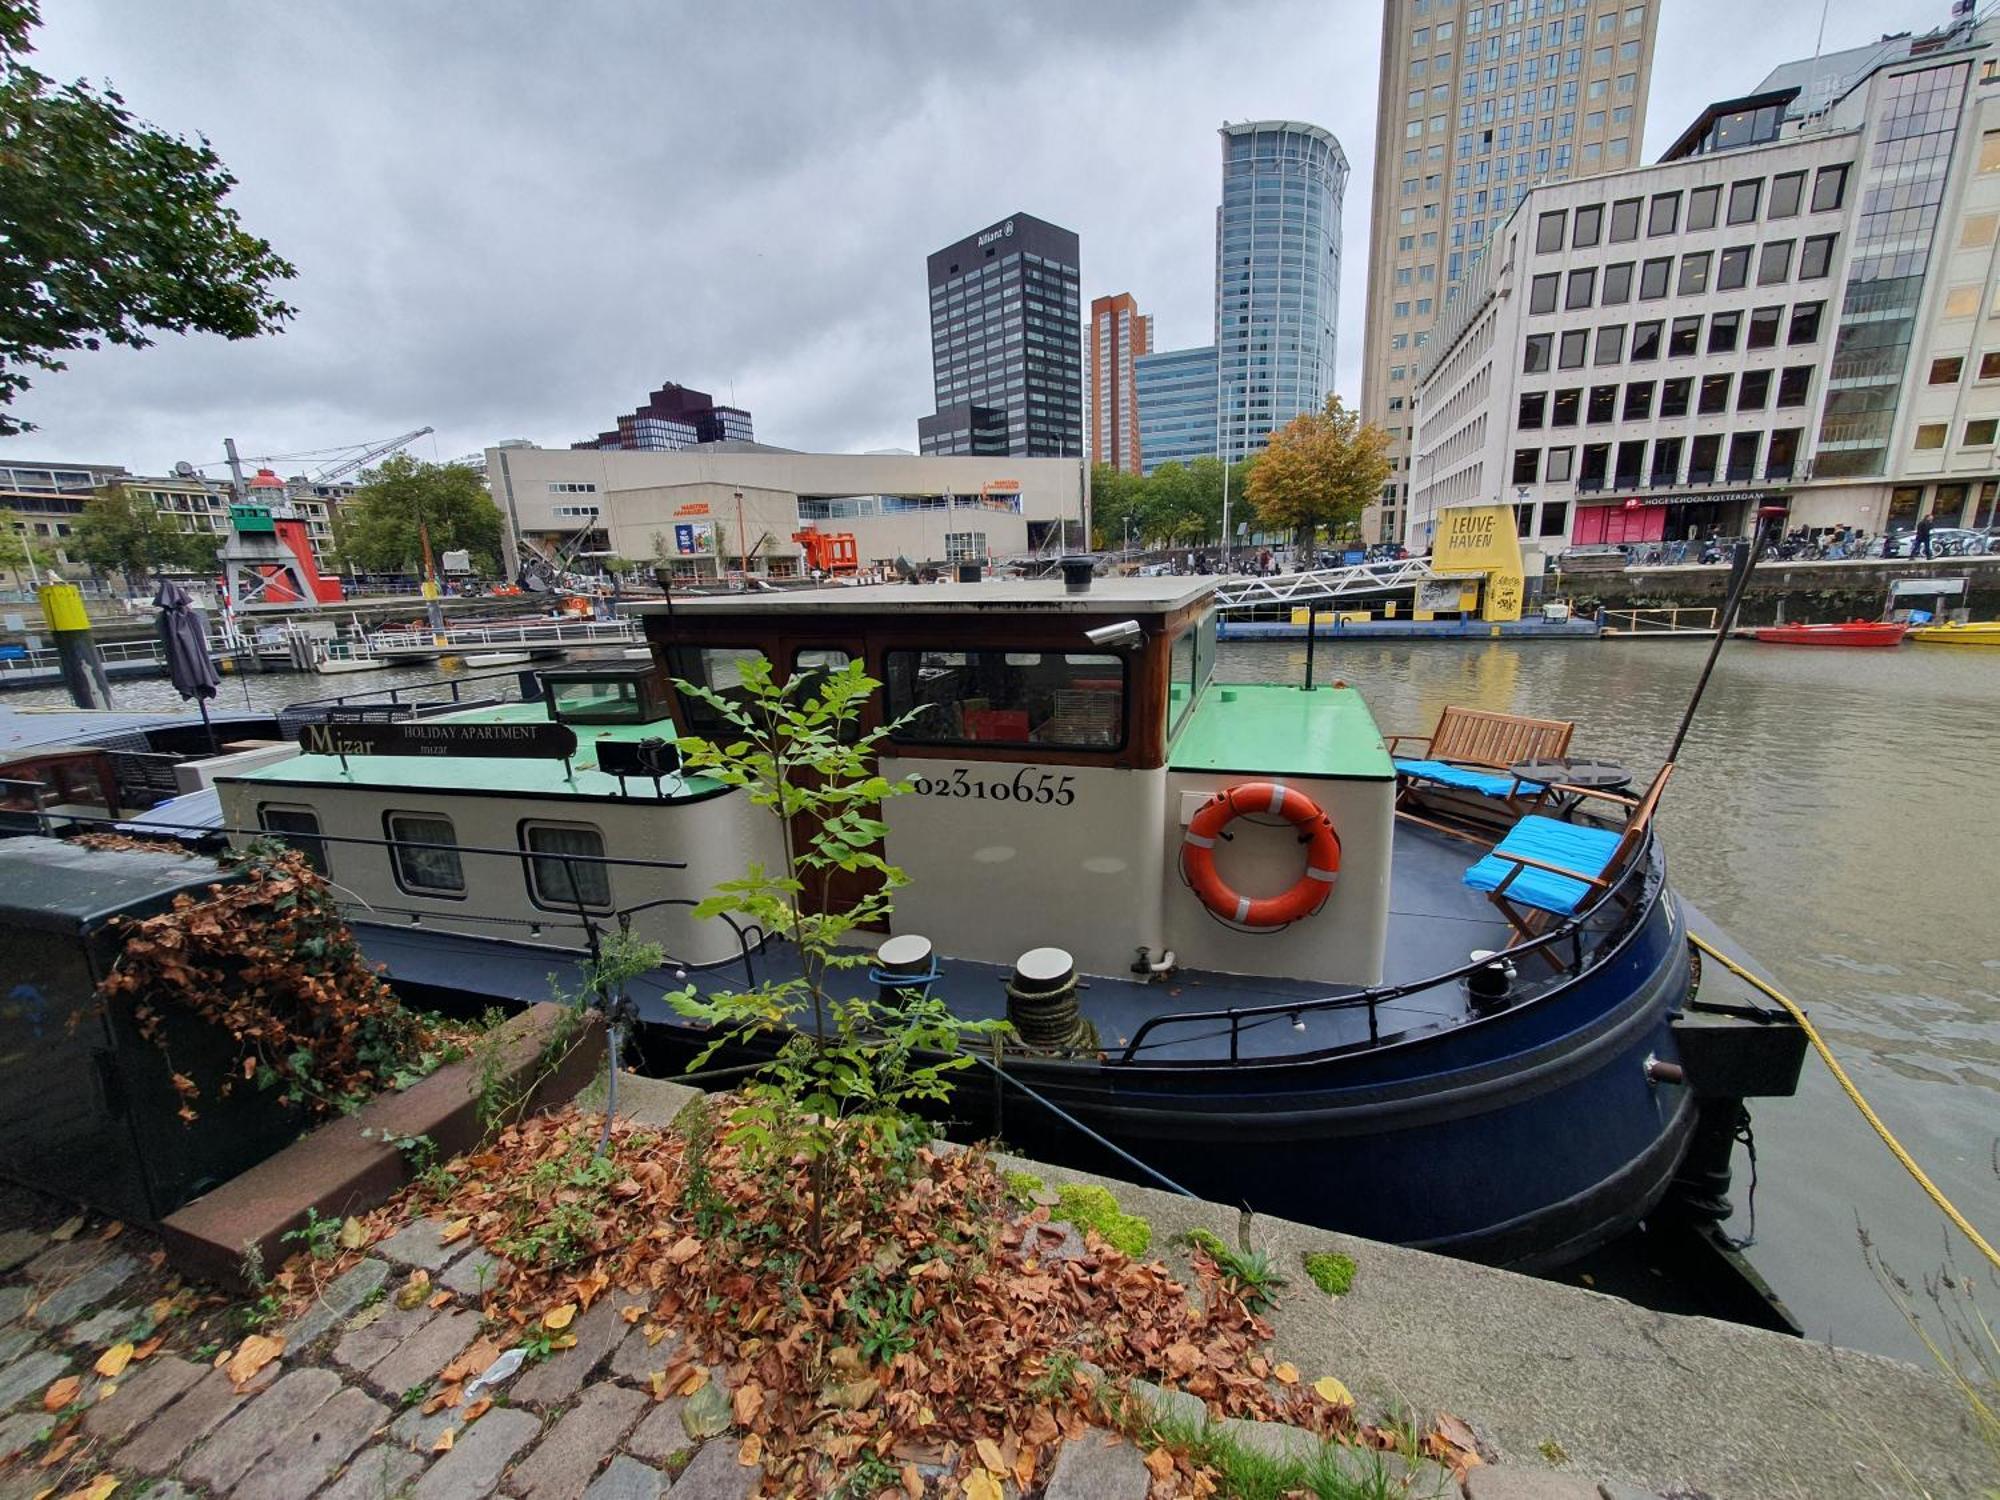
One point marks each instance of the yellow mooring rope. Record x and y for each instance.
(1840, 1076)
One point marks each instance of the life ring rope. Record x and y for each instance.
(1261, 914)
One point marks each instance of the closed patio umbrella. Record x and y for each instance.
(189, 666)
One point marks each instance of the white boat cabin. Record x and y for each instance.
(1061, 746)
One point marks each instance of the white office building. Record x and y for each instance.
(1798, 305)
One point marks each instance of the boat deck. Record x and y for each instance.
(1435, 924)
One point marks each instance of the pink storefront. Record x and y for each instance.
(1668, 519)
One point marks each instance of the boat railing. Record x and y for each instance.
(593, 923)
(1612, 910)
(420, 699)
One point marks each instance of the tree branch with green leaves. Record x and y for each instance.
(796, 749)
(110, 230)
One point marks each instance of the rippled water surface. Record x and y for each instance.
(1836, 811)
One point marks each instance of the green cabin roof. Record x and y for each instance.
(1265, 729)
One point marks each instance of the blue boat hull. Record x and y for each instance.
(1523, 1138)
(1526, 1139)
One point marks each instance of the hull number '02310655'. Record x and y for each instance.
(1023, 786)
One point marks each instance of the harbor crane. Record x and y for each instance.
(367, 456)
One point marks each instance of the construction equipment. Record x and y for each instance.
(830, 553)
(367, 456)
(542, 573)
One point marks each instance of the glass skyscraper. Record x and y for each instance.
(1176, 406)
(1277, 277)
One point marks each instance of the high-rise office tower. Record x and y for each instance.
(1277, 276)
(673, 417)
(1006, 343)
(1119, 334)
(1477, 104)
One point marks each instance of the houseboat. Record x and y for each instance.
(1233, 939)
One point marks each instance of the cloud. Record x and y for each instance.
(513, 220)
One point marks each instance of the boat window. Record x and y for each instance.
(1182, 682)
(298, 827)
(554, 883)
(814, 663)
(606, 701)
(718, 668)
(430, 871)
(1007, 698)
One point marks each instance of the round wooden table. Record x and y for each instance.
(1586, 775)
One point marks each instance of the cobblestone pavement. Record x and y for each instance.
(340, 1414)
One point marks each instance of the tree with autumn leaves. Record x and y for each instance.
(1320, 469)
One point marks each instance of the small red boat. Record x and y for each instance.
(1851, 633)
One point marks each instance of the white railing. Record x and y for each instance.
(1326, 583)
(46, 660)
(1670, 620)
(529, 633)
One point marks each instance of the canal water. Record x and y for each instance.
(1833, 809)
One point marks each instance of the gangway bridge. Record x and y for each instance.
(1282, 590)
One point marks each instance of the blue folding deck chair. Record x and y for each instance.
(1548, 868)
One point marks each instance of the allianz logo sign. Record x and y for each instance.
(1005, 231)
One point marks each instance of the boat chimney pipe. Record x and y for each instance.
(969, 572)
(1076, 573)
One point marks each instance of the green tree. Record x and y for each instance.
(1114, 500)
(122, 532)
(1183, 503)
(797, 751)
(377, 529)
(13, 543)
(110, 230)
(1318, 470)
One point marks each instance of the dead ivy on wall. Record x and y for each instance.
(267, 958)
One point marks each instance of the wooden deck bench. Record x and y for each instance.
(1468, 755)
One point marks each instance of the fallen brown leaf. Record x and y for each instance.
(477, 1410)
(59, 1395)
(252, 1355)
(558, 1318)
(443, 1443)
(59, 1451)
(112, 1362)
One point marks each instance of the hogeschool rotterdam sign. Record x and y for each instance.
(412, 737)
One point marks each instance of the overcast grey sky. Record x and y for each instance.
(514, 219)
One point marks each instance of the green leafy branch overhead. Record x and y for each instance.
(111, 231)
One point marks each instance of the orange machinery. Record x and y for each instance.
(829, 552)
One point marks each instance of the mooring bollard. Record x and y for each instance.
(76, 648)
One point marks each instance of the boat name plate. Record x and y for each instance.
(522, 741)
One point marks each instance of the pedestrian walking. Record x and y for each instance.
(1922, 546)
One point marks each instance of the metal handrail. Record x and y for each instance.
(394, 694)
(1375, 996)
(1232, 592)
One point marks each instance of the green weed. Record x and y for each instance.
(1331, 1272)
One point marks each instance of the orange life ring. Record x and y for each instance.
(1296, 808)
